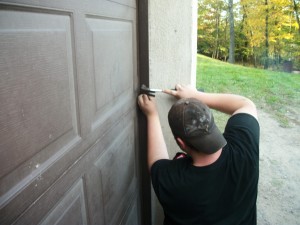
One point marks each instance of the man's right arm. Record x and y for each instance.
(227, 103)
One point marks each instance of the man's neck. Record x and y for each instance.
(201, 159)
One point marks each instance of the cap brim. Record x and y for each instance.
(209, 143)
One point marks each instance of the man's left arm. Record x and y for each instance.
(157, 148)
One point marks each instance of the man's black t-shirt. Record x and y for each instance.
(223, 193)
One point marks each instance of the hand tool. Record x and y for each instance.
(152, 91)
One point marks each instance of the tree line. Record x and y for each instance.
(262, 33)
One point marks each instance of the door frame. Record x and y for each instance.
(143, 71)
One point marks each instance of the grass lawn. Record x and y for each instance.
(275, 92)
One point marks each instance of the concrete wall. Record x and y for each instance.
(172, 51)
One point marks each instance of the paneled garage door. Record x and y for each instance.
(68, 124)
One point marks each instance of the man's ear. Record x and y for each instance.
(181, 144)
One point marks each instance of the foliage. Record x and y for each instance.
(272, 91)
(252, 30)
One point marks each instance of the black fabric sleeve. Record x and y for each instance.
(242, 133)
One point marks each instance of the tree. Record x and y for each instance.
(266, 64)
(296, 8)
(210, 28)
(253, 28)
(231, 58)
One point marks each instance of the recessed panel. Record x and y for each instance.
(112, 61)
(37, 93)
(117, 172)
(70, 210)
(133, 217)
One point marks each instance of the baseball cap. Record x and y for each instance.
(193, 122)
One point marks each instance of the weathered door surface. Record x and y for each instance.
(68, 130)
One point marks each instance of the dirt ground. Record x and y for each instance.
(279, 182)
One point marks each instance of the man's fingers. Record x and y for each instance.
(147, 98)
(177, 87)
(167, 91)
(143, 99)
(173, 92)
(170, 92)
(140, 98)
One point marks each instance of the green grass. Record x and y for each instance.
(275, 92)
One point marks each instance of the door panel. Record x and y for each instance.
(111, 91)
(37, 88)
(68, 80)
(116, 169)
(70, 209)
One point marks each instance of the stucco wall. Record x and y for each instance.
(172, 55)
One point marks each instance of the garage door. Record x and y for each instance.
(68, 124)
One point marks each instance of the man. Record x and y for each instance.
(217, 182)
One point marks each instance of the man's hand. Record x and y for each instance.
(157, 148)
(182, 91)
(147, 105)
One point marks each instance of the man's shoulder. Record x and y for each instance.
(242, 133)
(244, 124)
(243, 117)
(166, 167)
(164, 172)
(170, 164)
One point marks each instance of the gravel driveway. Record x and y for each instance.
(279, 182)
